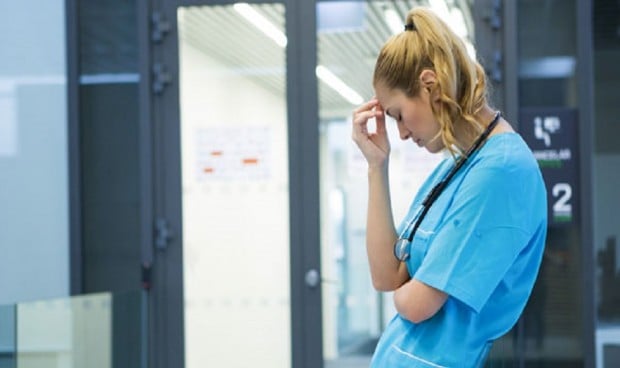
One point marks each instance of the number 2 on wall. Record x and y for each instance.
(563, 192)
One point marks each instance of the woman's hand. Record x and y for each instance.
(374, 146)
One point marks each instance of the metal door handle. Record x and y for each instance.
(312, 278)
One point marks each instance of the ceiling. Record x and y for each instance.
(109, 44)
(348, 51)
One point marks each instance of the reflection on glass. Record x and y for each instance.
(34, 168)
(235, 186)
(350, 35)
(550, 331)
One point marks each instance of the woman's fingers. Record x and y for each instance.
(374, 145)
(361, 115)
(367, 106)
(380, 119)
(361, 118)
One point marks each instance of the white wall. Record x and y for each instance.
(236, 229)
(34, 246)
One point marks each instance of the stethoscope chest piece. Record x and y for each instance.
(402, 249)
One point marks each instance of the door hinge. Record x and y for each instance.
(161, 78)
(160, 26)
(495, 16)
(494, 19)
(163, 233)
(497, 65)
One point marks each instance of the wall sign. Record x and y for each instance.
(551, 134)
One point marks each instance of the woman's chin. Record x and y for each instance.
(434, 148)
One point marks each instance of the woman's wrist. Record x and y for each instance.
(379, 167)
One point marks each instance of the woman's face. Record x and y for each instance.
(414, 116)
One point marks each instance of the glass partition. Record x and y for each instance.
(235, 185)
(550, 331)
(34, 210)
(606, 182)
(97, 330)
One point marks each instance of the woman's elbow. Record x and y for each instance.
(380, 285)
(412, 310)
(415, 316)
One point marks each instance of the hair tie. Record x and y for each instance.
(410, 27)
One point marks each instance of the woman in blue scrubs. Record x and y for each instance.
(463, 261)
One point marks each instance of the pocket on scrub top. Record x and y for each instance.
(419, 248)
(400, 358)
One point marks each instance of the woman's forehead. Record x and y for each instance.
(383, 92)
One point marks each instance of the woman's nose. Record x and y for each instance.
(403, 131)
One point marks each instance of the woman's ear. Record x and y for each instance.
(428, 81)
(428, 78)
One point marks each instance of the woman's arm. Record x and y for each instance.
(417, 302)
(386, 271)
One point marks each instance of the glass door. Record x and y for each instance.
(235, 185)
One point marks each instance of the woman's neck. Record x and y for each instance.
(485, 116)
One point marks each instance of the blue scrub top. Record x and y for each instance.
(481, 243)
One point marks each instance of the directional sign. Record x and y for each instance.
(551, 134)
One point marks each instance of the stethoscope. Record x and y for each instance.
(402, 247)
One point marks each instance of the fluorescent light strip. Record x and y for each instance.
(471, 50)
(458, 22)
(324, 74)
(441, 9)
(110, 78)
(262, 23)
(338, 85)
(393, 21)
(454, 17)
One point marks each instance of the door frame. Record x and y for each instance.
(160, 119)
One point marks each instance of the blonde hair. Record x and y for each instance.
(461, 82)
